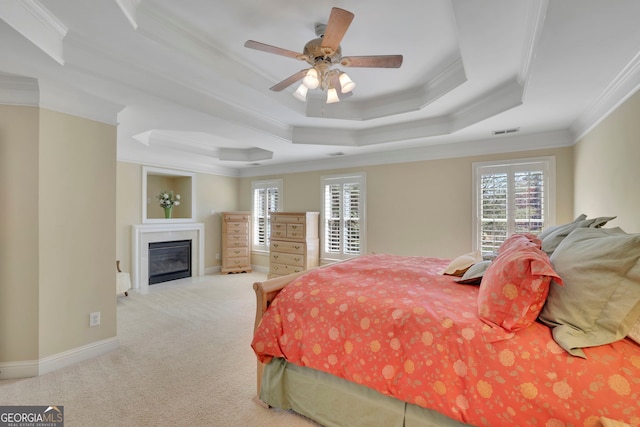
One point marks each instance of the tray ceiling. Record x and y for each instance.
(477, 77)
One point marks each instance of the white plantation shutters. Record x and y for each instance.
(511, 197)
(266, 198)
(332, 209)
(493, 210)
(343, 216)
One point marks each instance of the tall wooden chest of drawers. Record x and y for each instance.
(236, 242)
(294, 244)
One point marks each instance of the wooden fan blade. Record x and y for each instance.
(289, 81)
(379, 61)
(252, 44)
(338, 24)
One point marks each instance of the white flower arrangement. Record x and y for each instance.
(168, 200)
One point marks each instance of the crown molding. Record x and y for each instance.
(80, 104)
(129, 9)
(252, 154)
(172, 161)
(440, 149)
(497, 100)
(625, 84)
(34, 21)
(27, 91)
(197, 143)
(19, 90)
(534, 24)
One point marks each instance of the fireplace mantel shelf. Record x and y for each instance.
(143, 234)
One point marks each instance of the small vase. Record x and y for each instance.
(167, 212)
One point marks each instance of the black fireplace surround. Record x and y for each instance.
(169, 261)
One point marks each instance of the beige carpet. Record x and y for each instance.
(184, 360)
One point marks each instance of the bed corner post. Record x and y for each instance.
(265, 293)
(261, 307)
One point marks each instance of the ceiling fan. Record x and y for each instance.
(322, 53)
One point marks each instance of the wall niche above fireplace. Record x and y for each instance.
(156, 180)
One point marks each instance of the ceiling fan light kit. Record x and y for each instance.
(311, 80)
(346, 83)
(320, 76)
(321, 53)
(332, 96)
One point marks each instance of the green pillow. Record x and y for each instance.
(551, 240)
(600, 300)
(547, 231)
(473, 276)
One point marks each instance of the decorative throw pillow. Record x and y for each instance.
(515, 287)
(551, 241)
(473, 276)
(547, 231)
(600, 300)
(459, 265)
(519, 240)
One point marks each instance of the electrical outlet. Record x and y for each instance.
(94, 319)
(217, 256)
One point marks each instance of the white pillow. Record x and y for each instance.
(459, 265)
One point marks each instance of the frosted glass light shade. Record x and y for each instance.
(346, 83)
(332, 96)
(311, 79)
(301, 93)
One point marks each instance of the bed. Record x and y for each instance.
(391, 340)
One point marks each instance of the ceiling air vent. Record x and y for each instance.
(506, 131)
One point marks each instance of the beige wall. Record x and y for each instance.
(128, 209)
(57, 237)
(19, 273)
(607, 172)
(77, 231)
(418, 208)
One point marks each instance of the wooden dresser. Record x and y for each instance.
(294, 244)
(236, 242)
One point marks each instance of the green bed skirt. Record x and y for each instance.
(333, 401)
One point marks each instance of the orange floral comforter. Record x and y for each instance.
(395, 325)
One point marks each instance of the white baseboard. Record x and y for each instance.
(20, 369)
(34, 368)
(212, 270)
(260, 268)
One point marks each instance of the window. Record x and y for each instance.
(343, 222)
(267, 197)
(512, 197)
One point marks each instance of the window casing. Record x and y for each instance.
(267, 197)
(343, 216)
(514, 196)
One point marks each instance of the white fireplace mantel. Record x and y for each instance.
(143, 234)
